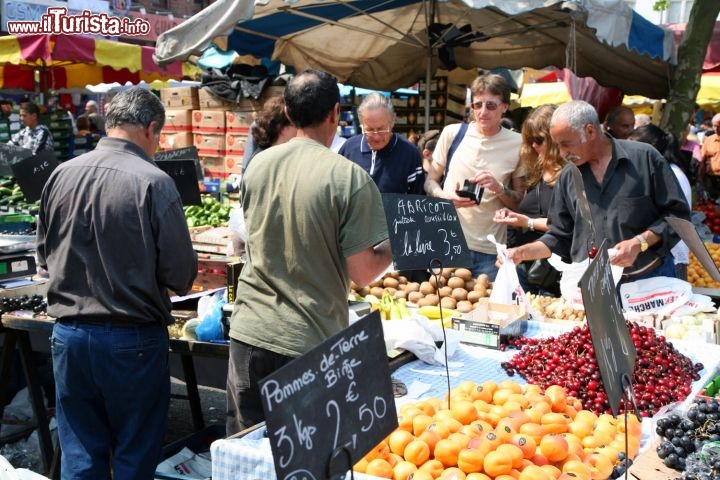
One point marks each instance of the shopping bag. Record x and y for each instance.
(506, 287)
(661, 295)
(210, 315)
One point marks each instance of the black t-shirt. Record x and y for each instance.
(535, 204)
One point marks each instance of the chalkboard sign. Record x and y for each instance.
(187, 153)
(336, 398)
(614, 350)
(10, 154)
(32, 173)
(183, 173)
(423, 229)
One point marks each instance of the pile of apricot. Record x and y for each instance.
(502, 431)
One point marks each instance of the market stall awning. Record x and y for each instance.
(389, 44)
(64, 62)
(712, 55)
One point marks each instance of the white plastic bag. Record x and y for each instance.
(506, 287)
(660, 295)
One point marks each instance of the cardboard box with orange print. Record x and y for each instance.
(239, 122)
(209, 144)
(235, 143)
(208, 121)
(173, 140)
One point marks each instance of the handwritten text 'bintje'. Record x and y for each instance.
(274, 393)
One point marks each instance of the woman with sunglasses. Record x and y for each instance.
(487, 155)
(541, 163)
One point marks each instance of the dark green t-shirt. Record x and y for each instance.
(306, 210)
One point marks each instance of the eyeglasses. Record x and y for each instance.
(376, 132)
(537, 140)
(489, 105)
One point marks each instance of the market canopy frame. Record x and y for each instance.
(390, 44)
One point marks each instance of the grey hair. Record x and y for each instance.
(135, 106)
(375, 101)
(577, 114)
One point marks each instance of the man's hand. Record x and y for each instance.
(627, 252)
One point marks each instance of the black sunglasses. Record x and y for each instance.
(489, 105)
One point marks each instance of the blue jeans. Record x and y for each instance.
(113, 395)
(484, 263)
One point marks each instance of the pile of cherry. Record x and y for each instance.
(662, 375)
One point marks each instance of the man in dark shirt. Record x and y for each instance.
(630, 190)
(620, 122)
(113, 237)
(391, 160)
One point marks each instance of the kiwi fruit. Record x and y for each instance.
(445, 291)
(464, 306)
(456, 282)
(426, 288)
(473, 296)
(412, 287)
(448, 302)
(414, 297)
(391, 282)
(433, 299)
(424, 302)
(463, 273)
(459, 294)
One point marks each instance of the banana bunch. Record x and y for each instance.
(392, 308)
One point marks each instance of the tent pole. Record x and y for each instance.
(428, 79)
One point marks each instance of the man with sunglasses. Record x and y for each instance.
(487, 155)
(630, 191)
(391, 160)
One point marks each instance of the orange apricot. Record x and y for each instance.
(552, 470)
(417, 452)
(526, 443)
(430, 438)
(398, 440)
(361, 465)
(578, 468)
(420, 475)
(420, 423)
(432, 466)
(505, 430)
(558, 398)
(600, 466)
(461, 439)
(379, 467)
(452, 473)
(534, 472)
(533, 430)
(554, 447)
(497, 463)
(470, 460)
(447, 452)
(477, 476)
(514, 452)
(464, 412)
(403, 469)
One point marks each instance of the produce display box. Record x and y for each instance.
(208, 121)
(235, 143)
(488, 321)
(211, 274)
(210, 144)
(233, 164)
(238, 122)
(178, 121)
(180, 98)
(171, 140)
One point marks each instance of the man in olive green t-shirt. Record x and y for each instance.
(315, 221)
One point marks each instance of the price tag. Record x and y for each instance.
(32, 173)
(614, 350)
(423, 229)
(185, 177)
(337, 396)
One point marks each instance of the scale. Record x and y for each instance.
(17, 260)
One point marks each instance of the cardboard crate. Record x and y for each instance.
(211, 274)
(488, 321)
(238, 122)
(214, 166)
(208, 121)
(173, 140)
(235, 143)
(233, 164)
(209, 144)
(178, 121)
(208, 101)
(185, 98)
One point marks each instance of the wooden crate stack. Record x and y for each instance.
(447, 106)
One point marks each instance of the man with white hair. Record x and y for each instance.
(630, 190)
(91, 111)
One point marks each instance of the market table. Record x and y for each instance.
(249, 456)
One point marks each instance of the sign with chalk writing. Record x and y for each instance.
(423, 229)
(328, 408)
(187, 153)
(10, 154)
(32, 173)
(183, 173)
(614, 350)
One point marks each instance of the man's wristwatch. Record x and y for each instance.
(643, 242)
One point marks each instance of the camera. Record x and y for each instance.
(470, 190)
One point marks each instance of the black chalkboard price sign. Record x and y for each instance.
(187, 153)
(333, 403)
(9, 155)
(423, 229)
(183, 173)
(614, 350)
(32, 173)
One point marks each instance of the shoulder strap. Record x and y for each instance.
(454, 146)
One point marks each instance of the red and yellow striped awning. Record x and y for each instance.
(75, 61)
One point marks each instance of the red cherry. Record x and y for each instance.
(593, 252)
